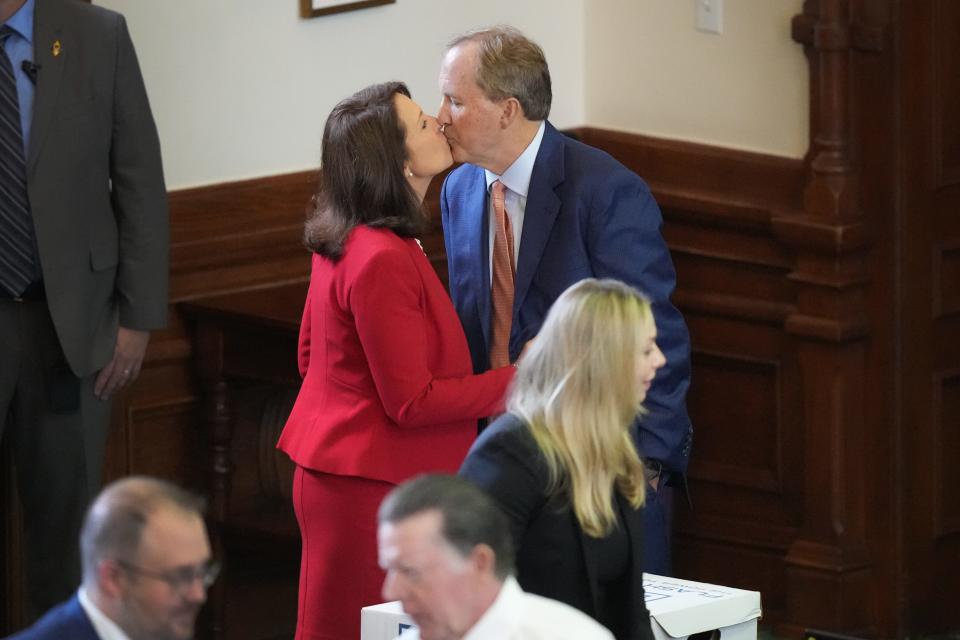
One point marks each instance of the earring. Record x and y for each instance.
(409, 173)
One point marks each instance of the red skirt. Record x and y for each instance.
(339, 573)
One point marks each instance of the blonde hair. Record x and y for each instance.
(577, 390)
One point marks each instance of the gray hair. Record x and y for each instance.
(510, 65)
(115, 522)
(470, 516)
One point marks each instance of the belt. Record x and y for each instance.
(36, 292)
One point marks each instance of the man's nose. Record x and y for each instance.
(197, 591)
(391, 590)
(443, 115)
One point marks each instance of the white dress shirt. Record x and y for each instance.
(106, 628)
(516, 615)
(516, 179)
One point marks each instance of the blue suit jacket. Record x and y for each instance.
(586, 216)
(67, 621)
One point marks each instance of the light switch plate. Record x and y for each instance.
(710, 15)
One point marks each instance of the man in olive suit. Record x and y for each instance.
(83, 260)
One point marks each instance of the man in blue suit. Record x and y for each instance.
(573, 212)
(146, 568)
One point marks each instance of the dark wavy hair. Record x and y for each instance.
(361, 173)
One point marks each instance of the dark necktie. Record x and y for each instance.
(16, 226)
(501, 290)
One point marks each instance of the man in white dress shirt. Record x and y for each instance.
(448, 555)
(146, 567)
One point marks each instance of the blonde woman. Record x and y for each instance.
(562, 462)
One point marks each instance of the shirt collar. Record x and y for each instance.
(22, 21)
(106, 628)
(517, 176)
(503, 616)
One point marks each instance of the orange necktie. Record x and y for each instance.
(501, 291)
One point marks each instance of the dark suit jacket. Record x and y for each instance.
(586, 216)
(553, 557)
(95, 182)
(67, 621)
(388, 390)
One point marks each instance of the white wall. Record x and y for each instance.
(648, 70)
(241, 88)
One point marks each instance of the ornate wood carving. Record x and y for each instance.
(831, 556)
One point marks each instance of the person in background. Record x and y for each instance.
(562, 463)
(83, 261)
(388, 390)
(447, 552)
(532, 212)
(146, 567)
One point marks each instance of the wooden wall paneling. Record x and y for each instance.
(238, 235)
(745, 471)
(945, 444)
(873, 130)
(945, 274)
(745, 401)
(930, 102)
(946, 93)
(725, 176)
(831, 567)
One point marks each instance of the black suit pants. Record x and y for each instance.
(56, 428)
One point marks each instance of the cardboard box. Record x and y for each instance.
(681, 608)
(383, 621)
(678, 609)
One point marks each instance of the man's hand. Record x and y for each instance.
(125, 365)
(653, 470)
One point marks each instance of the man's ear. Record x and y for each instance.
(110, 578)
(510, 112)
(483, 559)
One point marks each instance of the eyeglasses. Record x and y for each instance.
(180, 580)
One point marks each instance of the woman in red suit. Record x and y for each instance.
(388, 387)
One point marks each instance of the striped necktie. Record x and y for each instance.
(16, 225)
(501, 289)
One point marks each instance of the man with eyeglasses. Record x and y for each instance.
(146, 567)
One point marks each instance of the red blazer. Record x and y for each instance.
(388, 386)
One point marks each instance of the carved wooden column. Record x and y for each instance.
(829, 568)
(218, 416)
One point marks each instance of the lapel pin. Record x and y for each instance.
(55, 49)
